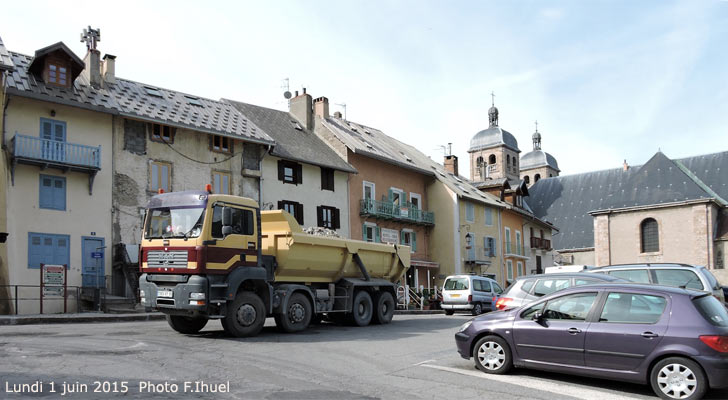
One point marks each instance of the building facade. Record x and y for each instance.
(6, 305)
(537, 164)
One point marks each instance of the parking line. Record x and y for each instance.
(537, 384)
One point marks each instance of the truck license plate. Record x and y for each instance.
(164, 293)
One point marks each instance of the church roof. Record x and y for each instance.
(538, 158)
(567, 201)
(492, 137)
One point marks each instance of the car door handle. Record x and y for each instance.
(649, 335)
(574, 331)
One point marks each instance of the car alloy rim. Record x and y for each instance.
(677, 381)
(491, 355)
(477, 308)
(246, 314)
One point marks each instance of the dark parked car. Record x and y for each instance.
(674, 339)
(530, 288)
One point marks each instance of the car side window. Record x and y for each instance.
(242, 222)
(548, 286)
(528, 314)
(497, 289)
(574, 307)
(630, 308)
(581, 281)
(476, 285)
(527, 286)
(634, 275)
(678, 278)
(485, 285)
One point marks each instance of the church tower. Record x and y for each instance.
(493, 152)
(537, 164)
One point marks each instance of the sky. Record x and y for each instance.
(607, 81)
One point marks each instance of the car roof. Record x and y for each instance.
(646, 265)
(600, 277)
(470, 276)
(671, 290)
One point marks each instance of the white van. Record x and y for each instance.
(471, 293)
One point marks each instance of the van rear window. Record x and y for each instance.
(712, 310)
(457, 284)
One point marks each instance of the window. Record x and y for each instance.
(416, 200)
(221, 182)
(53, 133)
(290, 172)
(370, 233)
(518, 243)
(574, 307)
(497, 289)
(479, 161)
(489, 245)
(242, 221)
(528, 314)
(327, 179)
(160, 176)
(457, 284)
(481, 285)
(536, 178)
(527, 286)
(527, 179)
(469, 212)
(328, 217)
(52, 194)
(57, 73)
(368, 190)
(45, 248)
(161, 133)
(488, 216)
(519, 265)
(491, 159)
(678, 278)
(548, 286)
(712, 310)
(508, 160)
(293, 208)
(396, 196)
(509, 268)
(634, 275)
(649, 235)
(628, 308)
(470, 246)
(508, 240)
(221, 144)
(409, 238)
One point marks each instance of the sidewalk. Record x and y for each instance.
(34, 319)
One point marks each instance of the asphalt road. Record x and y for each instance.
(412, 358)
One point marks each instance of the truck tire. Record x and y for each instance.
(361, 310)
(186, 325)
(383, 308)
(297, 314)
(245, 316)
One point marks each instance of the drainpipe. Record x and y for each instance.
(501, 246)
(708, 236)
(5, 116)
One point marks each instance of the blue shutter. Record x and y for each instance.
(59, 193)
(35, 250)
(414, 241)
(377, 235)
(61, 252)
(401, 237)
(45, 193)
(364, 232)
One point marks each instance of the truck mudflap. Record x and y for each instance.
(175, 294)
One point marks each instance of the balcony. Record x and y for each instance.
(388, 210)
(47, 153)
(480, 255)
(515, 250)
(540, 244)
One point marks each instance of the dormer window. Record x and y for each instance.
(222, 144)
(57, 73)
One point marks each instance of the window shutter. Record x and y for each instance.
(280, 170)
(390, 195)
(323, 179)
(377, 235)
(46, 129)
(280, 205)
(364, 232)
(59, 194)
(337, 221)
(299, 173)
(401, 237)
(46, 192)
(299, 211)
(414, 241)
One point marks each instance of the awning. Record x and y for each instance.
(423, 263)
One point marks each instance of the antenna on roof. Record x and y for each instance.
(342, 105)
(285, 85)
(91, 37)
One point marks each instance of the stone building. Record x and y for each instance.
(537, 164)
(663, 211)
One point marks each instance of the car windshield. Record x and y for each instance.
(712, 310)
(456, 284)
(174, 223)
(711, 279)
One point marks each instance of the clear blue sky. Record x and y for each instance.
(607, 80)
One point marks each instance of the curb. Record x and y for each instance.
(418, 312)
(77, 318)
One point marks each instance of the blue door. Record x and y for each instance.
(45, 248)
(53, 134)
(93, 262)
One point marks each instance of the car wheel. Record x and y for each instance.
(492, 355)
(477, 309)
(449, 312)
(297, 314)
(678, 378)
(186, 325)
(245, 316)
(361, 311)
(383, 308)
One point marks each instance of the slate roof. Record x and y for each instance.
(133, 99)
(492, 137)
(293, 141)
(6, 62)
(538, 158)
(567, 200)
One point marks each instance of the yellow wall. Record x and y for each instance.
(85, 215)
(479, 230)
(514, 222)
(442, 238)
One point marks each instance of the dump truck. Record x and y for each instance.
(213, 256)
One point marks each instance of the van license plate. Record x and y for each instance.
(454, 295)
(165, 293)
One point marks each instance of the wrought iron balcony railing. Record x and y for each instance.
(388, 210)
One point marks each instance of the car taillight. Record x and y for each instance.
(502, 303)
(470, 298)
(717, 343)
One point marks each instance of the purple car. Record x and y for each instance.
(674, 339)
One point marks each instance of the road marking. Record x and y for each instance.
(537, 384)
(424, 362)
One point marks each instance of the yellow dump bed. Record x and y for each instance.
(308, 258)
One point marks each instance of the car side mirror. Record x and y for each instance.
(537, 317)
(227, 221)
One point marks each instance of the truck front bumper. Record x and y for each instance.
(186, 295)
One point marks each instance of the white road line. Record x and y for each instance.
(537, 384)
(424, 362)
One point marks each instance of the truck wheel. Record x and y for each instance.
(361, 312)
(384, 308)
(245, 316)
(297, 314)
(186, 325)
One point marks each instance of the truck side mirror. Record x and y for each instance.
(227, 221)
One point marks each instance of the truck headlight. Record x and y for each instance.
(465, 326)
(197, 296)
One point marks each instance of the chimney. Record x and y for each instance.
(92, 71)
(625, 166)
(108, 72)
(301, 108)
(321, 107)
(337, 114)
(451, 164)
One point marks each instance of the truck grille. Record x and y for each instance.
(167, 259)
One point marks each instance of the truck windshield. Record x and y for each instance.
(174, 223)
